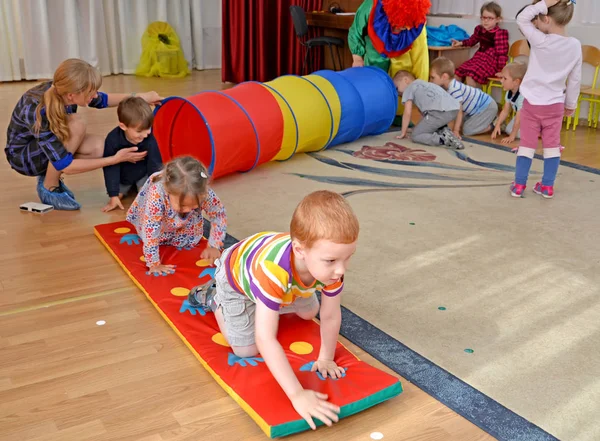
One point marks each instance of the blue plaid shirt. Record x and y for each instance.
(28, 153)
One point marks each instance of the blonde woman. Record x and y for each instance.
(46, 138)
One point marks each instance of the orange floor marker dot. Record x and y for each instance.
(180, 291)
(219, 339)
(301, 348)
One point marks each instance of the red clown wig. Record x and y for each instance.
(406, 14)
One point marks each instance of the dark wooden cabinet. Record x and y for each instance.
(333, 26)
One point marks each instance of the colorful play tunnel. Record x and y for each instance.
(238, 129)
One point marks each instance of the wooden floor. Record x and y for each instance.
(63, 377)
(581, 146)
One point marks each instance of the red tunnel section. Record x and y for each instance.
(230, 131)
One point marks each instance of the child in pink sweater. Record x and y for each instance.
(550, 87)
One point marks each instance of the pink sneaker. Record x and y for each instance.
(516, 190)
(545, 190)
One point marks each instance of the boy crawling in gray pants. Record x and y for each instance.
(435, 104)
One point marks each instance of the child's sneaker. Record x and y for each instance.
(516, 190)
(202, 296)
(450, 139)
(545, 190)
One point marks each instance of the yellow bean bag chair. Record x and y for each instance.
(162, 55)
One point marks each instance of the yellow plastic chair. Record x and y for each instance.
(590, 94)
(518, 48)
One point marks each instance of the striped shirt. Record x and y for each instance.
(473, 100)
(262, 267)
(29, 153)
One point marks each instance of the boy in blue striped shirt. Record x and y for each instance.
(478, 109)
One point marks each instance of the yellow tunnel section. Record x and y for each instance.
(311, 112)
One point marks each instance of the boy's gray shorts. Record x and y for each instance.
(239, 311)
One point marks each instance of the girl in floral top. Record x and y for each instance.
(168, 211)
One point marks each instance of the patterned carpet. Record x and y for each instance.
(501, 293)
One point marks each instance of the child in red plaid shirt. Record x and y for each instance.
(492, 55)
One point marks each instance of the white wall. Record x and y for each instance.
(586, 11)
(586, 33)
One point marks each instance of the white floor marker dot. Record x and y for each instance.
(100, 322)
(377, 435)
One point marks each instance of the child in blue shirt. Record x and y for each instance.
(134, 130)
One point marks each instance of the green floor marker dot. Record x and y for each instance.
(412, 223)
(442, 308)
(469, 351)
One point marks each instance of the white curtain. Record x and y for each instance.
(106, 33)
(206, 33)
(9, 49)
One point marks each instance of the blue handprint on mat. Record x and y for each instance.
(130, 239)
(243, 361)
(185, 306)
(308, 366)
(207, 272)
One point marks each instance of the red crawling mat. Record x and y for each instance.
(247, 380)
